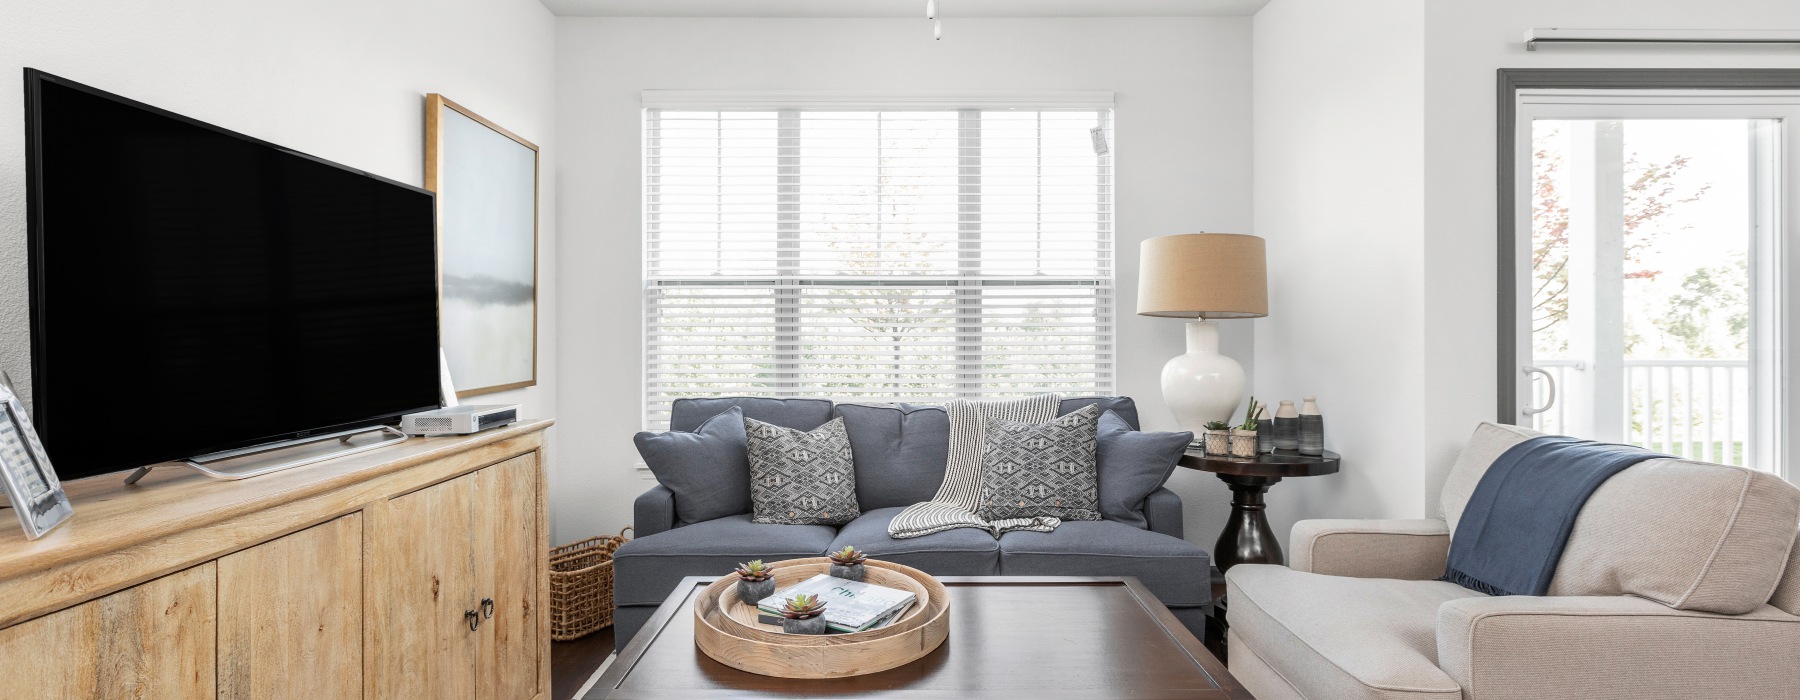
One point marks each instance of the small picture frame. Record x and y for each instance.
(25, 473)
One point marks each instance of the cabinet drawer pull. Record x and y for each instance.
(487, 608)
(474, 619)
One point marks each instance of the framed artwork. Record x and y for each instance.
(486, 180)
(25, 474)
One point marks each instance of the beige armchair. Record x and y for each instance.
(1680, 580)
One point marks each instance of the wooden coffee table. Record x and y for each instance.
(1046, 637)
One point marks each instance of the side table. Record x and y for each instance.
(1247, 538)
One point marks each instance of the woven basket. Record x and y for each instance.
(581, 586)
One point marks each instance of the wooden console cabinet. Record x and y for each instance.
(414, 571)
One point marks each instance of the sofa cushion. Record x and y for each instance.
(900, 449)
(799, 414)
(647, 568)
(801, 477)
(1122, 405)
(1690, 535)
(708, 469)
(1343, 638)
(1032, 470)
(1132, 464)
(959, 552)
(1176, 570)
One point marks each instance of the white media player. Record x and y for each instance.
(458, 420)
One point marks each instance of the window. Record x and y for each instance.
(913, 254)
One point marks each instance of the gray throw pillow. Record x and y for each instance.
(1030, 470)
(800, 477)
(707, 469)
(1132, 464)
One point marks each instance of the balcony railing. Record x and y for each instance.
(1694, 408)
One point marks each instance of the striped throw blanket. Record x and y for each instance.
(959, 498)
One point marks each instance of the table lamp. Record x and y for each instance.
(1203, 276)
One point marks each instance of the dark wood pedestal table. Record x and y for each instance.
(1247, 538)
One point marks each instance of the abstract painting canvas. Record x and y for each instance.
(485, 178)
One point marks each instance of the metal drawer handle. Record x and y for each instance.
(487, 608)
(474, 619)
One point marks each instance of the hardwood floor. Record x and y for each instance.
(572, 662)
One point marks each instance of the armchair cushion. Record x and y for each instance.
(1787, 595)
(1613, 647)
(1403, 549)
(1342, 638)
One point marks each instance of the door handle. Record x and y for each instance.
(1549, 380)
(473, 618)
(487, 608)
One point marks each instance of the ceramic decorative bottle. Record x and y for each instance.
(1265, 431)
(1287, 427)
(1312, 428)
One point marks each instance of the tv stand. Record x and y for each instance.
(202, 462)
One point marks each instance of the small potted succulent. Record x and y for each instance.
(1243, 438)
(756, 581)
(1217, 434)
(803, 614)
(847, 563)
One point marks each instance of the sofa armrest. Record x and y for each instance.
(1404, 549)
(1162, 512)
(1552, 648)
(653, 512)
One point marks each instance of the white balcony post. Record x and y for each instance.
(1597, 279)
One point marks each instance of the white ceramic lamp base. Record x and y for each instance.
(1202, 385)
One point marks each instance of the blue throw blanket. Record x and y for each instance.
(1513, 530)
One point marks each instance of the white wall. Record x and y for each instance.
(1465, 43)
(1375, 138)
(344, 80)
(1183, 90)
(1339, 195)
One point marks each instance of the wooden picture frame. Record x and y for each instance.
(481, 243)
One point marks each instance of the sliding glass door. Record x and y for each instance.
(1652, 295)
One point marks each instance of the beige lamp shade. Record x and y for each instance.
(1203, 275)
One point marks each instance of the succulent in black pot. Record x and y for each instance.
(847, 563)
(803, 614)
(756, 581)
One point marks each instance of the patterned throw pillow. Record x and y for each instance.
(1044, 469)
(799, 477)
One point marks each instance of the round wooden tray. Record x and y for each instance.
(726, 629)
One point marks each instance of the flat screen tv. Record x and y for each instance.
(195, 290)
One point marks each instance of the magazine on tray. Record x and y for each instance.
(850, 606)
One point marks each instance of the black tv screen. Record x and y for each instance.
(196, 290)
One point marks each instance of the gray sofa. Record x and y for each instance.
(900, 451)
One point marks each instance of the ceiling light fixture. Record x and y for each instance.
(937, 25)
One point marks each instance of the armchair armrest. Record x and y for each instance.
(1414, 550)
(653, 511)
(1162, 512)
(1577, 647)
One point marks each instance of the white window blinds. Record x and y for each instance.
(904, 255)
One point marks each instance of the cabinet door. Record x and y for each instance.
(420, 582)
(153, 640)
(508, 555)
(290, 615)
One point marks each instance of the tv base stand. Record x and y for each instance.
(202, 463)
